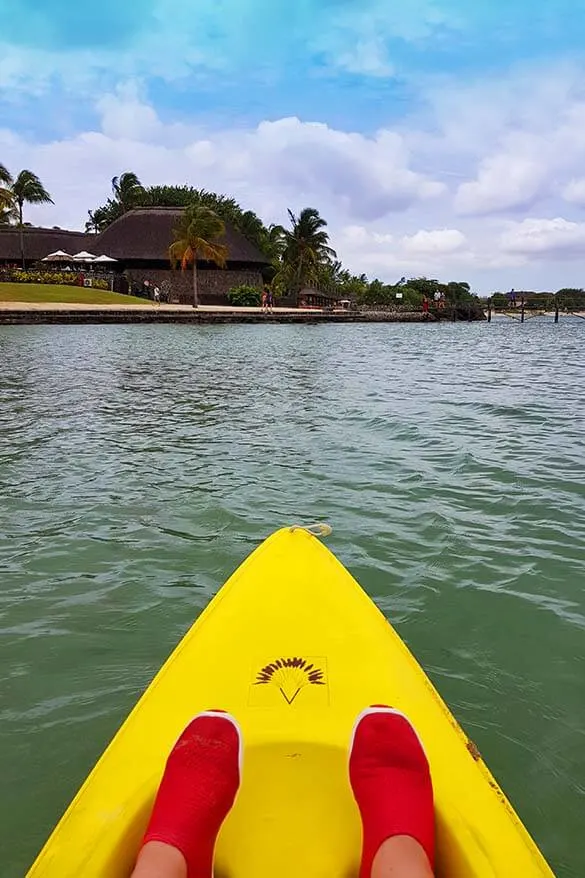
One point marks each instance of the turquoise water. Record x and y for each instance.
(140, 464)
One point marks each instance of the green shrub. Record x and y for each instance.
(61, 278)
(244, 296)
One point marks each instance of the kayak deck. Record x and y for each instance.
(294, 649)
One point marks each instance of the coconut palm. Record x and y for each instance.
(273, 242)
(6, 200)
(8, 216)
(26, 188)
(197, 237)
(306, 248)
(127, 190)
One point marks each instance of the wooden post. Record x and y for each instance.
(556, 309)
(522, 310)
(489, 310)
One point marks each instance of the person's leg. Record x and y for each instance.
(391, 782)
(198, 789)
(159, 860)
(400, 857)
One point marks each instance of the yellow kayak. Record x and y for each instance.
(294, 649)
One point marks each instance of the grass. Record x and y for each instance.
(64, 294)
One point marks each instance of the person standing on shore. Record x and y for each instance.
(264, 299)
(269, 299)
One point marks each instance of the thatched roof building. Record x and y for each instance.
(145, 234)
(139, 241)
(38, 243)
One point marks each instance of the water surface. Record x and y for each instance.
(140, 464)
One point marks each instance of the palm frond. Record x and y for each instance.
(5, 175)
(27, 188)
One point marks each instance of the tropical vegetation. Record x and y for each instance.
(15, 192)
(303, 253)
(198, 236)
(127, 192)
(244, 296)
(299, 253)
(66, 278)
(566, 299)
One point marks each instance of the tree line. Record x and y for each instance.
(568, 298)
(299, 254)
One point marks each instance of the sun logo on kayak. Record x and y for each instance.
(290, 675)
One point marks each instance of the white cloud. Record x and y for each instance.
(368, 56)
(550, 238)
(427, 251)
(356, 37)
(169, 41)
(574, 191)
(124, 116)
(434, 242)
(287, 161)
(512, 142)
(385, 196)
(504, 181)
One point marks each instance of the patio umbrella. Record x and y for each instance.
(58, 256)
(84, 256)
(103, 259)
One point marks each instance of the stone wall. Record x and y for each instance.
(152, 314)
(214, 284)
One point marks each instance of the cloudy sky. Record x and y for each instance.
(438, 137)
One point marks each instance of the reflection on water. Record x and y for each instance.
(139, 465)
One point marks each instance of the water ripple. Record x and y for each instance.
(140, 464)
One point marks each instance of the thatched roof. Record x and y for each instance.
(146, 233)
(143, 234)
(39, 242)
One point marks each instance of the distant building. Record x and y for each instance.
(310, 297)
(140, 241)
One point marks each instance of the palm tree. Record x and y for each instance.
(128, 191)
(25, 189)
(6, 200)
(8, 215)
(273, 242)
(306, 248)
(196, 237)
(99, 219)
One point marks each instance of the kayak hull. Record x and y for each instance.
(294, 649)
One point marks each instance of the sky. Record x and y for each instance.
(437, 137)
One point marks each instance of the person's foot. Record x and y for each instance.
(391, 782)
(198, 789)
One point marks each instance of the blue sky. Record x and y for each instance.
(437, 137)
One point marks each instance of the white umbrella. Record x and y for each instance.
(104, 259)
(58, 256)
(84, 256)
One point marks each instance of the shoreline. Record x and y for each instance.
(57, 312)
(12, 313)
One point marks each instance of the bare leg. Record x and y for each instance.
(401, 857)
(160, 860)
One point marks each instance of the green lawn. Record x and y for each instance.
(57, 293)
